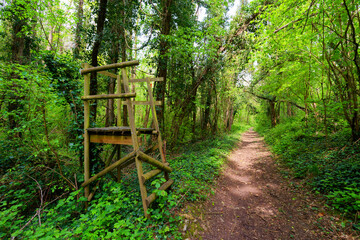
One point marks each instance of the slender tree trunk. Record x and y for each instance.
(95, 52)
(79, 25)
(123, 57)
(51, 39)
(216, 112)
(273, 115)
(160, 88)
(207, 109)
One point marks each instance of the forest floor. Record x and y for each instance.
(253, 201)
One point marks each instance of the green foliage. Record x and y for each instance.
(116, 211)
(331, 165)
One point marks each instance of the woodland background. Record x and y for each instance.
(291, 68)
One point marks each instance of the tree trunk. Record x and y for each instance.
(123, 59)
(160, 87)
(95, 52)
(80, 16)
(207, 110)
(273, 111)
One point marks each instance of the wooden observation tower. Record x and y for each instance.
(123, 135)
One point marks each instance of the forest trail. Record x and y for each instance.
(253, 201)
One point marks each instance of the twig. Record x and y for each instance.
(12, 238)
(41, 198)
(180, 199)
(72, 184)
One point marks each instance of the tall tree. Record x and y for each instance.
(101, 16)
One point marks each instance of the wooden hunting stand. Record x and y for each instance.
(123, 135)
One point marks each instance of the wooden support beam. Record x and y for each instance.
(109, 168)
(151, 174)
(133, 80)
(156, 123)
(109, 96)
(153, 196)
(154, 162)
(110, 66)
(86, 134)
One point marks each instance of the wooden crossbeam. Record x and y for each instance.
(153, 196)
(109, 168)
(109, 96)
(151, 174)
(110, 66)
(154, 162)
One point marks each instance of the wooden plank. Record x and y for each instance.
(110, 66)
(151, 174)
(111, 139)
(133, 80)
(86, 134)
(154, 162)
(153, 196)
(109, 96)
(109, 168)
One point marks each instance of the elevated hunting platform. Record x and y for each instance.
(123, 135)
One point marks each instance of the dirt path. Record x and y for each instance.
(252, 201)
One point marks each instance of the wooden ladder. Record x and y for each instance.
(123, 135)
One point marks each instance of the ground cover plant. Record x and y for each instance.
(330, 165)
(116, 211)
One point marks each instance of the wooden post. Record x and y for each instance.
(118, 157)
(135, 142)
(118, 114)
(153, 111)
(86, 134)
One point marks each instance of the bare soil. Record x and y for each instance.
(253, 201)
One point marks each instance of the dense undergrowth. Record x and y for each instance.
(330, 165)
(116, 211)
